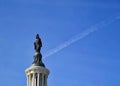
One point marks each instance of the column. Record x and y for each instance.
(30, 80)
(45, 80)
(27, 80)
(38, 79)
(42, 79)
(33, 80)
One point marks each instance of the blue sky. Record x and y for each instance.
(93, 60)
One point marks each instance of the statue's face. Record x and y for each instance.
(37, 36)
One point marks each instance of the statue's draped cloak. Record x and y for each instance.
(38, 56)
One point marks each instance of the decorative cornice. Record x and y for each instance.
(37, 69)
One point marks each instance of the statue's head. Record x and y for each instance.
(37, 36)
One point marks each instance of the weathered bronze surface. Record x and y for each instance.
(38, 56)
(37, 44)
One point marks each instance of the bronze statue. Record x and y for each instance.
(37, 44)
(38, 56)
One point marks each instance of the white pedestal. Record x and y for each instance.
(37, 76)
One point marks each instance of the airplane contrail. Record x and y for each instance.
(81, 35)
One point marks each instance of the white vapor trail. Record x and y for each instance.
(81, 35)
